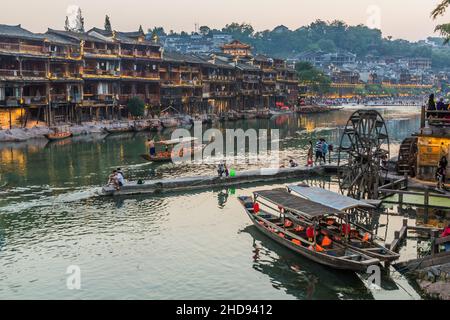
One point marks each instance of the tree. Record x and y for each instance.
(136, 107)
(204, 30)
(79, 22)
(440, 10)
(67, 24)
(316, 80)
(108, 24)
(327, 45)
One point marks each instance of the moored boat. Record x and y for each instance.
(59, 133)
(118, 128)
(139, 126)
(167, 152)
(273, 225)
(169, 122)
(358, 237)
(58, 136)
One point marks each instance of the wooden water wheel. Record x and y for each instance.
(407, 157)
(363, 155)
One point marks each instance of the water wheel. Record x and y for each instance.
(407, 157)
(363, 155)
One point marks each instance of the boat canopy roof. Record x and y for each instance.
(177, 141)
(329, 198)
(301, 206)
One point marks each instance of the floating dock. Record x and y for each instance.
(211, 182)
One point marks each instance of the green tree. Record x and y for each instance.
(315, 79)
(440, 10)
(204, 30)
(108, 24)
(136, 107)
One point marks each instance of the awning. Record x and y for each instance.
(295, 204)
(177, 141)
(329, 198)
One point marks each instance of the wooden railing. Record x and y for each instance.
(25, 48)
(435, 117)
(98, 51)
(34, 73)
(9, 73)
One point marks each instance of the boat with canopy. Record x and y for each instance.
(357, 237)
(267, 210)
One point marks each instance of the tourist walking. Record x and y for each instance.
(319, 151)
(324, 150)
(310, 160)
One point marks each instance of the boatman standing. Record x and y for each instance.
(151, 145)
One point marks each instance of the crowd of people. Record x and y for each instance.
(321, 149)
(441, 105)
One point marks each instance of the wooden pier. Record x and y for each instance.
(212, 182)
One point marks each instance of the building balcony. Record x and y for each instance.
(9, 73)
(34, 73)
(23, 48)
(101, 52)
(140, 74)
(140, 54)
(100, 73)
(35, 100)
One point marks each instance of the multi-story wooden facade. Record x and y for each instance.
(65, 76)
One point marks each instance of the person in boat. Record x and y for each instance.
(441, 105)
(120, 177)
(293, 164)
(309, 160)
(445, 234)
(152, 148)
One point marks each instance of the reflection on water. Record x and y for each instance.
(197, 245)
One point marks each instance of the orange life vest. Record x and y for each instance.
(366, 237)
(288, 223)
(326, 242)
(297, 242)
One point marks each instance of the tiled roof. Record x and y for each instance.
(18, 32)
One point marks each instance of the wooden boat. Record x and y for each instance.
(58, 136)
(263, 114)
(139, 126)
(59, 133)
(168, 122)
(335, 255)
(118, 128)
(168, 154)
(155, 125)
(359, 238)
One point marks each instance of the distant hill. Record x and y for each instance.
(331, 36)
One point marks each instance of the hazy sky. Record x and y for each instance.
(408, 19)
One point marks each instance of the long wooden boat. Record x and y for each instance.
(168, 154)
(359, 238)
(336, 255)
(58, 136)
(113, 130)
(140, 126)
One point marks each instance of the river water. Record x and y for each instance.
(196, 245)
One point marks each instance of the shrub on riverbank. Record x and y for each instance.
(136, 107)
